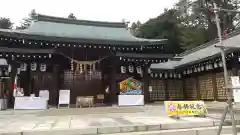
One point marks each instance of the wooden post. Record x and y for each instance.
(198, 88)
(112, 82)
(165, 81)
(184, 89)
(54, 92)
(214, 85)
(146, 78)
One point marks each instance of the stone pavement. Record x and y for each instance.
(86, 121)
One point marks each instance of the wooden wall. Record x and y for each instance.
(158, 90)
(175, 89)
(204, 86)
(166, 90)
(190, 88)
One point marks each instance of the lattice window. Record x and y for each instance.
(190, 86)
(206, 87)
(175, 90)
(221, 92)
(158, 90)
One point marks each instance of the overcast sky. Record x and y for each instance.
(99, 10)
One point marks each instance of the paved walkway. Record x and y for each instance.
(107, 120)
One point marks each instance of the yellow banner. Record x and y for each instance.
(185, 108)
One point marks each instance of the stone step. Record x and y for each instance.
(227, 130)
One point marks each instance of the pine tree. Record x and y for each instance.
(72, 16)
(5, 23)
(26, 22)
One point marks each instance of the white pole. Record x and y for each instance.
(229, 107)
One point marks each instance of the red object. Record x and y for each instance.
(15, 83)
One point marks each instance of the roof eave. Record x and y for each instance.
(23, 34)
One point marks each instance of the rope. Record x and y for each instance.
(84, 62)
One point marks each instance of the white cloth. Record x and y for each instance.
(18, 93)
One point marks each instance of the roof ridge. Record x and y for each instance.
(47, 18)
(212, 42)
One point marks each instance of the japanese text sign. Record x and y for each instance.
(185, 108)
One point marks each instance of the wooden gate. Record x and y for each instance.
(191, 88)
(158, 90)
(206, 87)
(81, 84)
(42, 81)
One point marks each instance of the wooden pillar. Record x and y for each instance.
(165, 81)
(184, 89)
(146, 81)
(214, 85)
(198, 88)
(54, 92)
(112, 82)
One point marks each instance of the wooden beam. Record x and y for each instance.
(214, 85)
(198, 88)
(25, 50)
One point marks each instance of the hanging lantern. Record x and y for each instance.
(6, 73)
(206, 67)
(149, 70)
(130, 69)
(18, 71)
(199, 69)
(72, 68)
(195, 69)
(23, 67)
(188, 71)
(123, 69)
(155, 75)
(175, 75)
(33, 66)
(220, 64)
(202, 68)
(43, 67)
(81, 68)
(191, 70)
(210, 66)
(150, 89)
(165, 75)
(184, 72)
(170, 75)
(160, 75)
(179, 75)
(151, 74)
(9, 68)
(215, 65)
(139, 70)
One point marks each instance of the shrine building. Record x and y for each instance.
(87, 56)
(201, 70)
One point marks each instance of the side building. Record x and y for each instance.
(201, 73)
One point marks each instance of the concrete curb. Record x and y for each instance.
(193, 131)
(114, 130)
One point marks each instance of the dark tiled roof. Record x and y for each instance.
(201, 53)
(48, 27)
